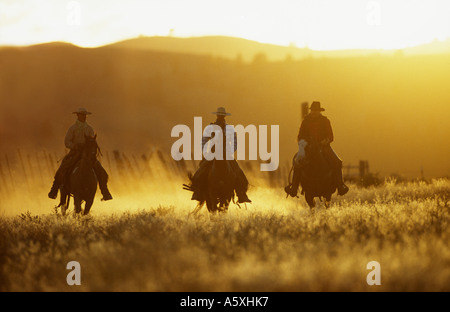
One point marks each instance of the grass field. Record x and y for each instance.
(144, 239)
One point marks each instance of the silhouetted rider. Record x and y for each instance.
(199, 179)
(316, 129)
(74, 140)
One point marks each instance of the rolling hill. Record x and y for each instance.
(389, 109)
(232, 48)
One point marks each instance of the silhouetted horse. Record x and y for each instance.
(221, 184)
(81, 181)
(316, 175)
(218, 191)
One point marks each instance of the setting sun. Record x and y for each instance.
(214, 146)
(319, 25)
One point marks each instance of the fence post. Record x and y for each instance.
(3, 179)
(24, 170)
(363, 169)
(304, 109)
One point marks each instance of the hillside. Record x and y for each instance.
(237, 48)
(390, 110)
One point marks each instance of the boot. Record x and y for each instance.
(243, 198)
(195, 196)
(102, 177)
(291, 190)
(54, 190)
(106, 195)
(105, 192)
(342, 188)
(58, 180)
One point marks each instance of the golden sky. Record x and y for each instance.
(318, 24)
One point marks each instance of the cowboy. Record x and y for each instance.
(316, 128)
(199, 179)
(74, 140)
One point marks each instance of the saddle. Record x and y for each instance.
(199, 180)
(68, 165)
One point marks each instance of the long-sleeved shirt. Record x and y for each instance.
(315, 128)
(75, 134)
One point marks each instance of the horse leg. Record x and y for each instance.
(63, 201)
(327, 201)
(228, 200)
(226, 205)
(196, 209)
(77, 204)
(66, 206)
(220, 205)
(87, 206)
(211, 204)
(310, 200)
(211, 200)
(223, 205)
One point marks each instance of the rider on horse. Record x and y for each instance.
(316, 128)
(199, 179)
(74, 140)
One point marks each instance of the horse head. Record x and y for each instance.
(82, 181)
(314, 155)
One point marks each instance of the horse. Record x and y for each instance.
(316, 175)
(81, 182)
(219, 187)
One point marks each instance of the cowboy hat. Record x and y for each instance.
(221, 112)
(315, 106)
(82, 110)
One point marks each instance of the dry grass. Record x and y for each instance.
(144, 240)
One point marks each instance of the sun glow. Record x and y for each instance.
(319, 25)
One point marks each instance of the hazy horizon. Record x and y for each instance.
(154, 74)
(320, 25)
(357, 65)
(434, 41)
(138, 96)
